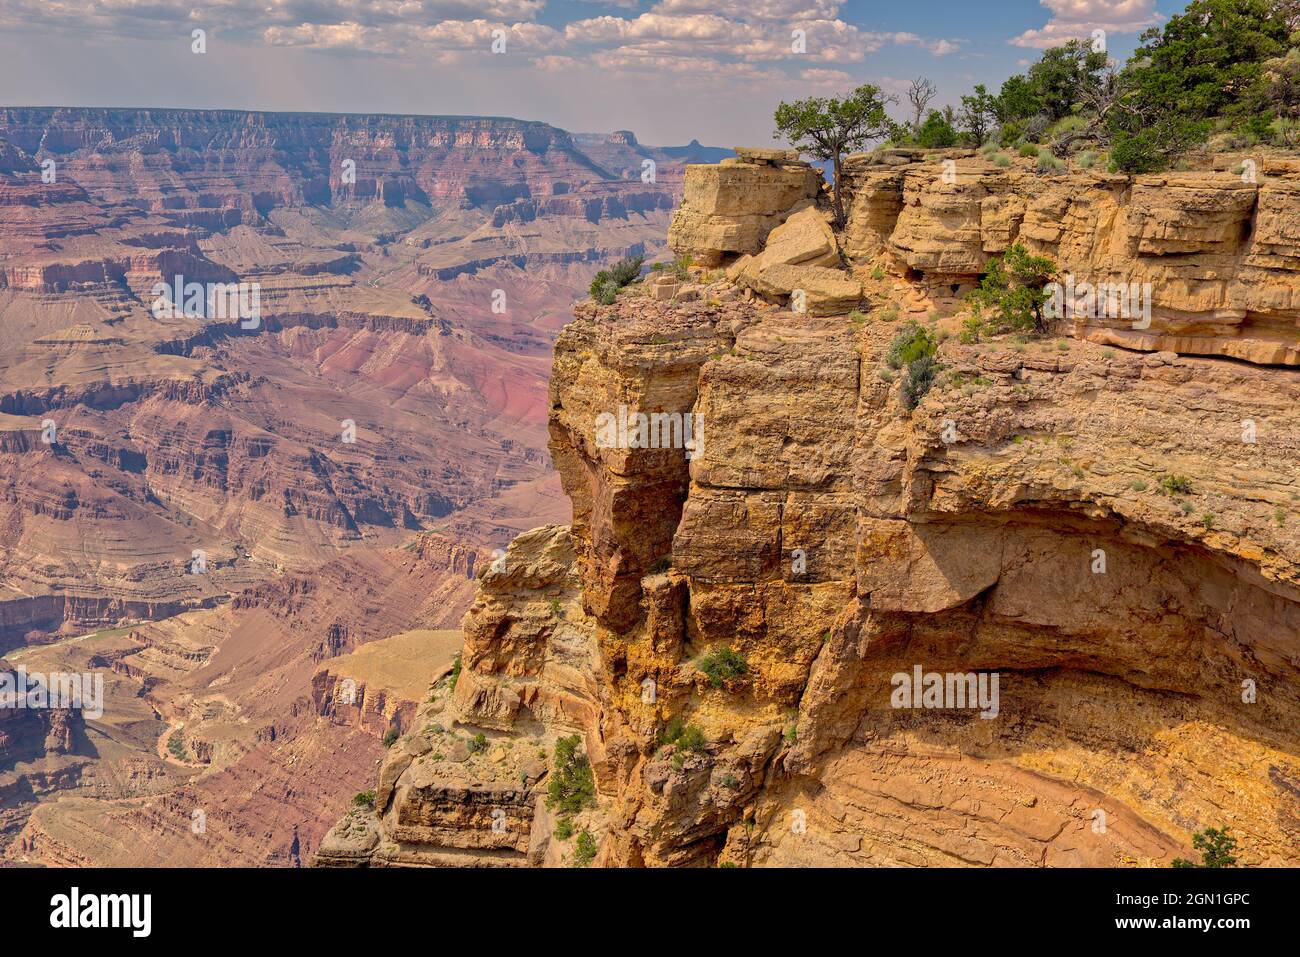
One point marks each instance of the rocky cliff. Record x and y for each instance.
(1081, 547)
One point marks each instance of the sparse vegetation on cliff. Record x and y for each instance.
(722, 665)
(606, 284)
(1216, 847)
(584, 849)
(1011, 297)
(572, 786)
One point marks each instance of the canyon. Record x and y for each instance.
(221, 513)
(1104, 516)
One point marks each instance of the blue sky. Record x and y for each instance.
(670, 70)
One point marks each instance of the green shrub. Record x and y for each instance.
(1047, 163)
(911, 343)
(692, 739)
(1028, 149)
(1216, 848)
(584, 849)
(920, 377)
(1012, 295)
(672, 731)
(1086, 160)
(572, 785)
(722, 665)
(455, 672)
(1176, 485)
(606, 284)
(390, 737)
(364, 799)
(564, 828)
(936, 132)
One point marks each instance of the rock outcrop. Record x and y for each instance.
(1047, 615)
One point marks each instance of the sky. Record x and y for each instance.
(669, 70)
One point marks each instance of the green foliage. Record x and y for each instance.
(606, 284)
(936, 132)
(176, 746)
(1012, 294)
(920, 377)
(390, 737)
(679, 267)
(978, 114)
(364, 799)
(584, 849)
(1047, 163)
(1065, 76)
(722, 665)
(911, 343)
(564, 828)
(1176, 485)
(454, 676)
(1216, 848)
(692, 739)
(557, 609)
(1028, 149)
(477, 743)
(827, 128)
(572, 786)
(914, 349)
(672, 731)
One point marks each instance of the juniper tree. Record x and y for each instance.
(827, 128)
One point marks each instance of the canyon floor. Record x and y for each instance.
(217, 514)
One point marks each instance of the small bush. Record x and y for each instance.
(920, 377)
(364, 799)
(390, 737)
(564, 828)
(606, 284)
(1047, 163)
(1216, 848)
(455, 672)
(1086, 160)
(1001, 160)
(1028, 149)
(584, 849)
(477, 743)
(1176, 485)
(672, 731)
(910, 344)
(572, 786)
(692, 739)
(722, 665)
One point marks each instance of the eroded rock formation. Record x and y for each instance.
(1104, 520)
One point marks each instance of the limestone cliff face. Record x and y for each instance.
(1108, 533)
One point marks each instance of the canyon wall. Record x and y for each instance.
(1099, 522)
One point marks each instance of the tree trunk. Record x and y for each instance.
(838, 203)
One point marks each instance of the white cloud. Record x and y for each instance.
(1077, 19)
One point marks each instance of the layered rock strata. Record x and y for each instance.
(1087, 550)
